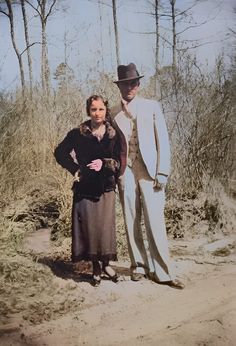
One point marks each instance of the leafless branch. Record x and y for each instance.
(3, 12)
(50, 9)
(30, 45)
(149, 33)
(101, 2)
(186, 10)
(233, 31)
(35, 8)
(191, 27)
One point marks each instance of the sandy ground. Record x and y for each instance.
(145, 313)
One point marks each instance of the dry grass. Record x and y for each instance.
(36, 192)
(28, 287)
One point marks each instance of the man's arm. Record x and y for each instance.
(163, 145)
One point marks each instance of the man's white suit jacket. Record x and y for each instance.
(151, 131)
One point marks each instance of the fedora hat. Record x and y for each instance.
(127, 72)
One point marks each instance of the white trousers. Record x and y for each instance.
(138, 196)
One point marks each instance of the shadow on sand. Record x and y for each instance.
(79, 272)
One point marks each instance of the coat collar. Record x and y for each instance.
(85, 129)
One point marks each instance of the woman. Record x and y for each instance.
(91, 154)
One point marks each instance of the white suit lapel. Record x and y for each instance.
(124, 124)
(146, 136)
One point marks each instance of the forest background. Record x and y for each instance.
(55, 53)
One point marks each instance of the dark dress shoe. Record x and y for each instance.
(107, 270)
(96, 280)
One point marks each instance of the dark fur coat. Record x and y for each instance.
(79, 148)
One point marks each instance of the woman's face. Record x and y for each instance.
(97, 112)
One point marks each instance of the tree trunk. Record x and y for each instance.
(45, 71)
(101, 40)
(27, 46)
(19, 57)
(157, 49)
(173, 17)
(116, 32)
(41, 11)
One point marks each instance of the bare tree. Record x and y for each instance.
(116, 31)
(10, 15)
(156, 15)
(44, 14)
(27, 45)
(177, 17)
(163, 11)
(101, 40)
(173, 17)
(157, 48)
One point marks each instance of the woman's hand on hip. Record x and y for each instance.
(96, 165)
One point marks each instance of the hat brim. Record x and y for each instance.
(127, 79)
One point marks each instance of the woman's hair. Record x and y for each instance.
(96, 98)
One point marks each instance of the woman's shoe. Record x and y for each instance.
(97, 271)
(96, 280)
(110, 272)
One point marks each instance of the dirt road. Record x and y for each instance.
(144, 313)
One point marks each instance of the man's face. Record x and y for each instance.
(128, 89)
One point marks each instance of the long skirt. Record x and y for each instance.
(93, 229)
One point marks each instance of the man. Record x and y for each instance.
(142, 185)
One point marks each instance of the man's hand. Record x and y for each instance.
(158, 186)
(96, 165)
(159, 182)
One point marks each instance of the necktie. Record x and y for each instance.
(124, 106)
